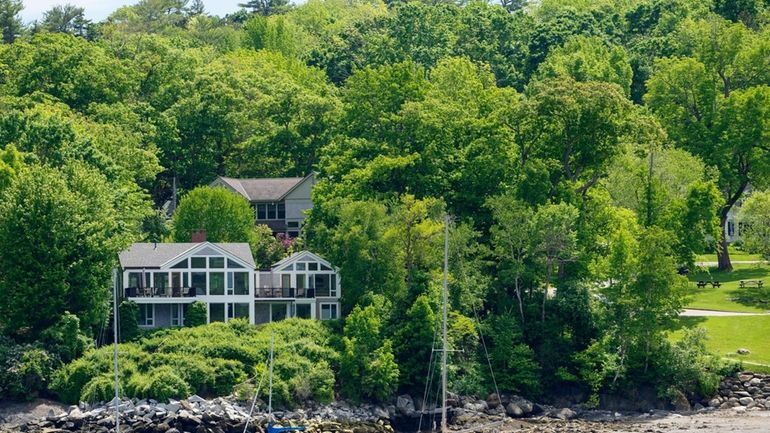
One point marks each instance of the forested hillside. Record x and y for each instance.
(585, 149)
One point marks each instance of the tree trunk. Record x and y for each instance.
(518, 297)
(723, 254)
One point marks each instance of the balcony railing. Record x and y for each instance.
(163, 292)
(284, 292)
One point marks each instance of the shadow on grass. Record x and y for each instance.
(749, 296)
(747, 273)
(687, 322)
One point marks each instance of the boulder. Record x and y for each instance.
(745, 401)
(405, 404)
(562, 414)
(743, 351)
(513, 410)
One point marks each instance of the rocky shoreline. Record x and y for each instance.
(745, 392)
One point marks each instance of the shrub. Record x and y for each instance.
(196, 314)
(65, 338)
(128, 313)
(161, 383)
(99, 389)
(24, 370)
(68, 381)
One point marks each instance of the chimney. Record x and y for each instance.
(199, 236)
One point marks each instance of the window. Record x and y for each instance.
(313, 266)
(160, 279)
(240, 283)
(134, 279)
(328, 311)
(730, 228)
(216, 283)
(278, 312)
(241, 311)
(271, 211)
(146, 314)
(322, 285)
(293, 224)
(300, 266)
(198, 262)
(233, 264)
(325, 268)
(216, 313)
(300, 281)
(176, 315)
(302, 311)
(285, 281)
(199, 282)
(217, 262)
(181, 265)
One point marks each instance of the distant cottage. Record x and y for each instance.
(165, 278)
(279, 203)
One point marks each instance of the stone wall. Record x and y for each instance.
(743, 391)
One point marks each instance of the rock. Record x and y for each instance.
(196, 399)
(743, 351)
(680, 403)
(715, 402)
(745, 377)
(745, 401)
(493, 400)
(405, 404)
(172, 430)
(562, 414)
(513, 410)
(741, 394)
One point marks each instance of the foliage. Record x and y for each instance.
(196, 314)
(128, 318)
(26, 370)
(99, 389)
(367, 365)
(755, 217)
(65, 339)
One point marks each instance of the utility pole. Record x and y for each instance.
(445, 301)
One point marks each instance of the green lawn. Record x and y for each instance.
(730, 297)
(728, 334)
(735, 254)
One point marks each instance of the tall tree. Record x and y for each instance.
(66, 19)
(225, 215)
(10, 22)
(715, 104)
(754, 217)
(266, 7)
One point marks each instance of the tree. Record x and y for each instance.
(128, 317)
(66, 19)
(553, 226)
(714, 103)
(59, 238)
(224, 215)
(754, 218)
(367, 365)
(11, 163)
(266, 7)
(196, 314)
(414, 343)
(10, 22)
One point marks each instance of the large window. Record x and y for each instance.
(278, 312)
(216, 283)
(216, 313)
(134, 279)
(302, 311)
(240, 311)
(329, 311)
(271, 211)
(146, 314)
(240, 283)
(199, 282)
(177, 317)
(160, 279)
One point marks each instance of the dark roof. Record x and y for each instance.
(268, 189)
(155, 255)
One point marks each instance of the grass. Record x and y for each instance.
(728, 334)
(735, 255)
(730, 296)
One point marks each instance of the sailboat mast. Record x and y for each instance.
(444, 350)
(115, 346)
(270, 395)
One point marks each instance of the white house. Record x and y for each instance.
(279, 203)
(165, 278)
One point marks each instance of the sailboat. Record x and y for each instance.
(445, 349)
(270, 427)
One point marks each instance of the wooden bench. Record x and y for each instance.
(755, 283)
(701, 284)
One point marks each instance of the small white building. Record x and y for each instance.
(165, 278)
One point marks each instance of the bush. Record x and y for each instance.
(196, 314)
(99, 389)
(128, 313)
(65, 338)
(24, 370)
(161, 383)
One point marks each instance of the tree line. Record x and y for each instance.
(585, 149)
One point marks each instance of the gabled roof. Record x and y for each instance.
(265, 189)
(156, 255)
(300, 257)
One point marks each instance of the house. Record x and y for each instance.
(301, 285)
(279, 203)
(165, 278)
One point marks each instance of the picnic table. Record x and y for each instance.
(714, 284)
(755, 283)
